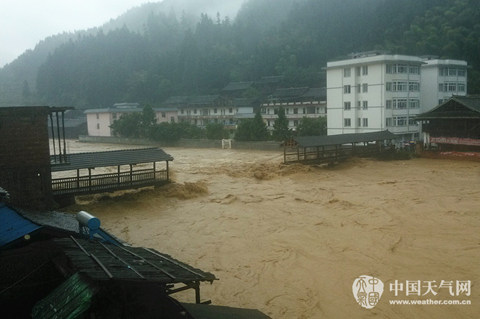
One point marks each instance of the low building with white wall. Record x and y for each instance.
(297, 103)
(100, 120)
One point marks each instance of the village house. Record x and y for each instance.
(100, 120)
(373, 91)
(453, 125)
(297, 102)
(203, 109)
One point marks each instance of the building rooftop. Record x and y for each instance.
(127, 263)
(371, 59)
(327, 140)
(459, 107)
(112, 158)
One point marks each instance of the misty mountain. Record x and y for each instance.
(18, 78)
(149, 54)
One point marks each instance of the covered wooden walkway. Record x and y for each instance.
(335, 148)
(124, 169)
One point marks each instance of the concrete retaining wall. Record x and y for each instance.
(187, 143)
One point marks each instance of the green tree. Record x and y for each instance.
(128, 125)
(148, 120)
(252, 129)
(216, 131)
(312, 126)
(281, 132)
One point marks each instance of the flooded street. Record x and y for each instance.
(291, 240)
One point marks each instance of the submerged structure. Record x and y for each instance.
(335, 148)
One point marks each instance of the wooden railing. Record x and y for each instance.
(108, 182)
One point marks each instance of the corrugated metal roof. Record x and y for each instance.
(314, 141)
(69, 300)
(13, 226)
(112, 158)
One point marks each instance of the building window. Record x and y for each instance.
(164, 115)
(359, 104)
(413, 86)
(346, 89)
(412, 122)
(401, 103)
(365, 105)
(389, 121)
(295, 110)
(413, 103)
(364, 87)
(357, 71)
(347, 122)
(346, 72)
(268, 123)
(98, 126)
(388, 104)
(414, 69)
(452, 72)
(215, 111)
(461, 72)
(365, 122)
(359, 122)
(440, 87)
(365, 70)
(402, 68)
(461, 87)
(347, 106)
(195, 111)
(452, 87)
(400, 121)
(401, 86)
(230, 110)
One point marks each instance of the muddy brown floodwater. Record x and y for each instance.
(291, 240)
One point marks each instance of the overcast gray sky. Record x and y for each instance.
(24, 23)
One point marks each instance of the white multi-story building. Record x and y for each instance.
(441, 79)
(373, 92)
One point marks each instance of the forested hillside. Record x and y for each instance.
(294, 38)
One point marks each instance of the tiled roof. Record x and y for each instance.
(456, 107)
(103, 261)
(236, 86)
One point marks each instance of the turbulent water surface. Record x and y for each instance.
(291, 240)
